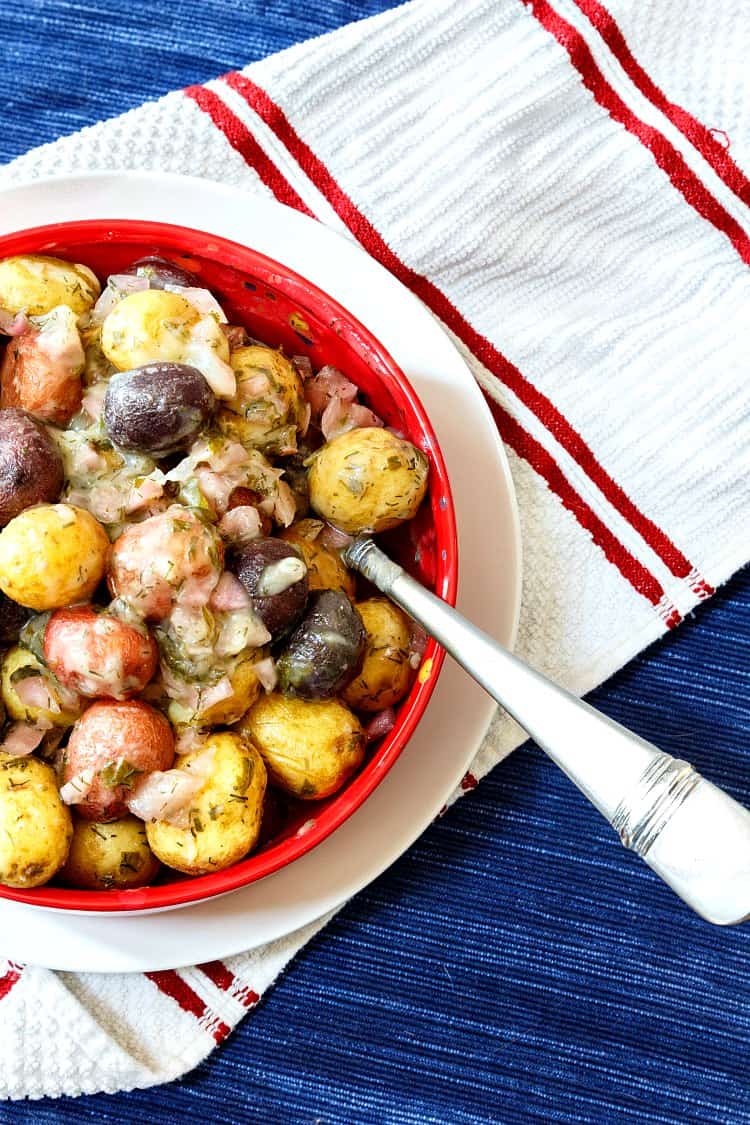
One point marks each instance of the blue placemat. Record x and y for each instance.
(516, 965)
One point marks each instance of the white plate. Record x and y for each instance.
(489, 587)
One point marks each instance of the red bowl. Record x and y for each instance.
(285, 310)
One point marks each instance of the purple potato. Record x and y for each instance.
(161, 272)
(251, 563)
(31, 468)
(326, 650)
(157, 409)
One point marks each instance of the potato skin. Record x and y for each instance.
(157, 409)
(154, 325)
(367, 480)
(111, 856)
(98, 655)
(35, 826)
(310, 747)
(47, 385)
(325, 570)
(225, 815)
(37, 283)
(265, 418)
(120, 741)
(245, 690)
(20, 663)
(31, 468)
(386, 674)
(52, 555)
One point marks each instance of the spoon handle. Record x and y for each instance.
(691, 833)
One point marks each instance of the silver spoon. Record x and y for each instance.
(691, 833)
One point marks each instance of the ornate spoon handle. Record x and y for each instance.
(691, 833)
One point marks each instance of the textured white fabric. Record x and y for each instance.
(598, 306)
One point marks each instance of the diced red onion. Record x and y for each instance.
(229, 594)
(217, 693)
(166, 794)
(13, 324)
(417, 644)
(332, 538)
(341, 416)
(380, 724)
(33, 691)
(141, 494)
(118, 286)
(303, 367)
(202, 300)
(328, 383)
(236, 336)
(22, 739)
(241, 525)
(77, 789)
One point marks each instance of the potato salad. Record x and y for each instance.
(185, 656)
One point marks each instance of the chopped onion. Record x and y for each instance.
(236, 336)
(303, 367)
(380, 724)
(417, 644)
(216, 693)
(119, 286)
(341, 416)
(34, 691)
(335, 540)
(241, 629)
(77, 789)
(22, 739)
(266, 672)
(13, 324)
(241, 525)
(167, 794)
(328, 383)
(202, 300)
(230, 594)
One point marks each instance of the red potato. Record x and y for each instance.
(41, 370)
(120, 743)
(98, 655)
(170, 559)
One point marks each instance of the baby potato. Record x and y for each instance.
(168, 558)
(35, 826)
(41, 369)
(98, 655)
(111, 856)
(386, 672)
(224, 816)
(325, 570)
(154, 325)
(245, 690)
(367, 480)
(268, 404)
(31, 695)
(35, 284)
(119, 742)
(310, 747)
(31, 468)
(52, 555)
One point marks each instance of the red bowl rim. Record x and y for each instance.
(189, 891)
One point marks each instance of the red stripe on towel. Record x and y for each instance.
(218, 974)
(169, 982)
(544, 464)
(665, 154)
(246, 145)
(712, 151)
(9, 979)
(478, 344)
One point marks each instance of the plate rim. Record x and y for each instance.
(113, 180)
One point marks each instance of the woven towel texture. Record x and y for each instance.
(634, 561)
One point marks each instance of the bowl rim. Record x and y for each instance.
(191, 890)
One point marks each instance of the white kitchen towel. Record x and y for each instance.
(564, 186)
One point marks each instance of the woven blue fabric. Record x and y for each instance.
(516, 965)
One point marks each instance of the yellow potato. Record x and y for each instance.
(19, 665)
(245, 690)
(310, 747)
(35, 826)
(110, 856)
(154, 324)
(367, 480)
(52, 555)
(268, 404)
(325, 570)
(37, 284)
(386, 673)
(225, 815)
